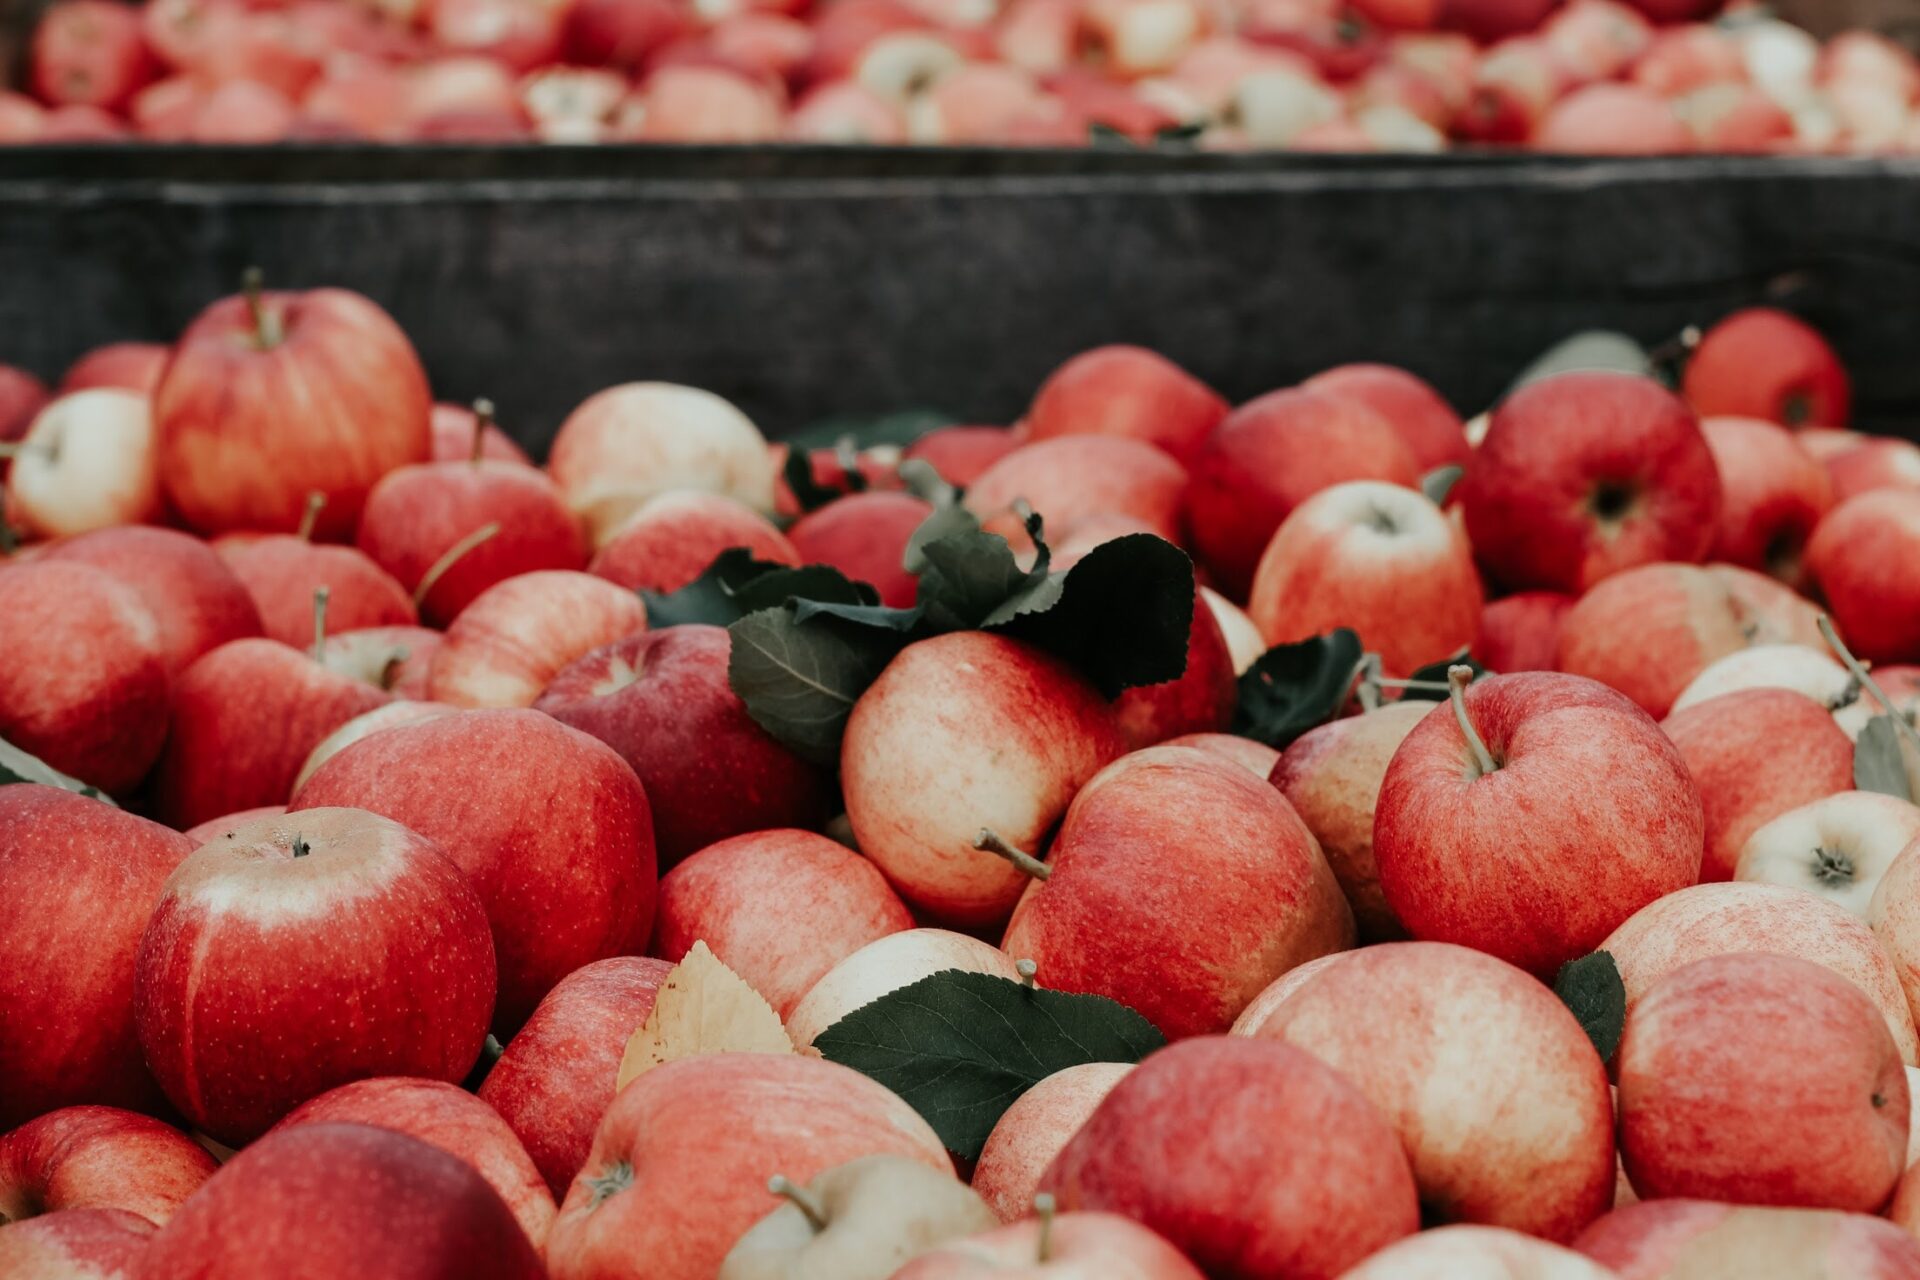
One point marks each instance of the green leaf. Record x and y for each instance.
(1591, 987)
(17, 765)
(1175, 134)
(798, 471)
(1591, 349)
(799, 681)
(962, 1047)
(1878, 762)
(946, 522)
(926, 484)
(899, 427)
(1436, 673)
(1102, 134)
(817, 582)
(1292, 688)
(1438, 483)
(736, 584)
(1123, 614)
(966, 577)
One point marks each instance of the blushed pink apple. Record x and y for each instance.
(1031, 1132)
(1425, 422)
(454, 426)
(131, 366)
(1720, 919)
(86, 462)
(1068, 478)
(98, 1158)
(1245, 644)
(1812, 673)
(1894, 914)
(1660, 1237)
(75, 1244)
(680, 1163)
(1521, 632)
(1449, 1253)
(962, 454)
(506, 646)
(387, 716)
(1533, 817)
(1756, 754)
(780, 908)
(886, 965)
(213, 828)
(1837, 847)
(1762, 1080)
(1256, 758)
(1077, 1246)
(1268, 1002)
(1873, 464)
(1126, 391)
(194, 597)
(1377, 558)
(670, 541)
(1199, 700)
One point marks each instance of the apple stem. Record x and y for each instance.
(1368, 690)
(300, 847)
(316, 502)
(809, 1206)
(431, 578)
(482, 419)
(989, 841)
(320, 595)
(1459, 675)
(1027, 968)
(1859, 672)
(1044, 1207)
(266, 332)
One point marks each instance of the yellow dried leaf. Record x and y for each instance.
(703, 1007)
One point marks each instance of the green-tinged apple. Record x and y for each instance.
(87, 462)
(1838, 846)
(895, 961)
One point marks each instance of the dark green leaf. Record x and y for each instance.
(18, 766)
(810, 494)
(799, 681)
(945, 522)
(1878, 763)
(1123, 614)
(709, 598)
(1102, 134)
(962, 1047)
(1439, 482)
(901, 427)
(817, 582)
(1591, 987)
(966, 577)
(863, 615)
(1436, 673)
(1292, 688)
(1175, 134)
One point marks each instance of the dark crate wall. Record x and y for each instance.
(802, 285)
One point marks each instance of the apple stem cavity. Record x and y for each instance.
(1044, 1207)
(800, 1198)
(1459, 675)
(316, 503)
(482, 419)
(1027, 968)
(617, 1178)
(438, 570)
(266, 329)
(320, 597)
(989, 841)
(1860, 673)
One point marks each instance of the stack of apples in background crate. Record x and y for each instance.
(1160, 839)
(1594, 76)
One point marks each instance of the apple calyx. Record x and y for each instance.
(482, 419)
(800, 1198)
(989, 841)
(266, 325)
(438, 569)
(320, 597)
(1458, 677)
(617, 1178)
(1044, 1207)
(316, 502)
(1859, 671)
(300, 848)
(1831, 867)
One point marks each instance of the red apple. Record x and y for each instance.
(780, 908)
(1179, 885)
(454, 428)
(271, 397)
(1521, 632)
(673, 538)
(1661, 1237)
(1532, 817)
(1756, 754)
(433, 516)
(960, 732)
(619, 33)
(1256, 758)
(556, 1077)
(213, 828)
(132, 366)
(1613, 119)
(194, 597)
(1199, 701)
(75, 1244)
(680, 1163)
(86, 462)
(448, 1117)
(1069, 478)
(1426, 423)
(1772, 494)
(397, 659)
(326, 1200)
(281, 572)
(1031, 1132)
(90, 53)
(78, 879)
(1721, 919)
(509, 644)
(22, 397)
(1493, 1086)
(1761, 1080)
(98, 1158)
(1764, 363)
(557, 841)
(1862, 557)
(1584, 474)
(1272, 454)
(1067, 1246)
(1650, 631)
(661, 699)
(1320, 1179)
(1377, 558)
(245, 718)
(864, 535)
(84, 686)
(1515, 83)
(962, 454)
(1873, 464)
(1126, 391)
(270, 944)
(892, 962)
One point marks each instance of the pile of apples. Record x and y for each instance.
(389, 887)
(1590, 76)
